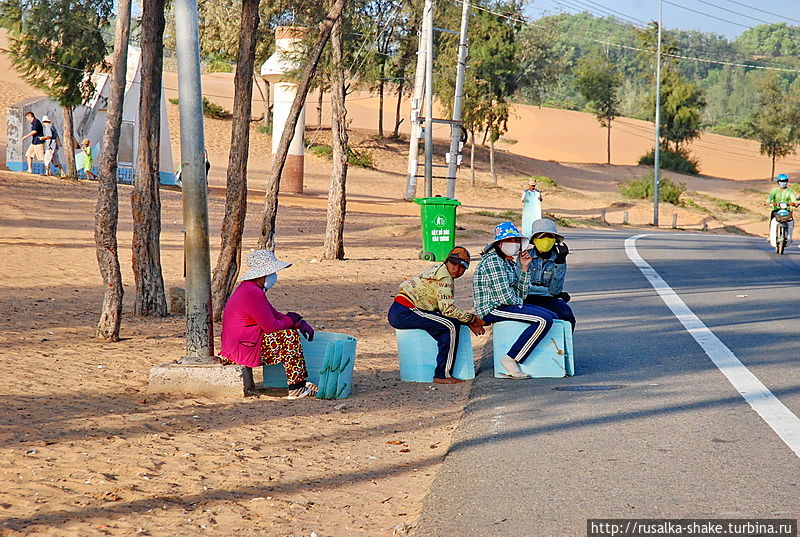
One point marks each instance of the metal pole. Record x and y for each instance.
(416, 108)
(199, 324)
(657, 154)
(429, 98)
(456, 129)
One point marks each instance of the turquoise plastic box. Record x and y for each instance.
(329, 360)
(417, 351)
(552, 357)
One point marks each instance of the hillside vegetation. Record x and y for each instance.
(729, 90)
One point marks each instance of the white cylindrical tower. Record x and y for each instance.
(277, 70)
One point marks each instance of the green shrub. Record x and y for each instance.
(214, 111)
(321, 150)
(174, 101)
(729, 207)
(362, 159)
(543, 180)
(559, 220)
(694, 205)
(217, 66)
(676, 161)
(265, 129)
(642, 189)
(725, 206)
(504, 215)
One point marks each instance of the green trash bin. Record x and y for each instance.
(438, 227)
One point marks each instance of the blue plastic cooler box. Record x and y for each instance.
(329, 360)
(417, 351)
(552, 357)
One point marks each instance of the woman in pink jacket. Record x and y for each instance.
(254, 333)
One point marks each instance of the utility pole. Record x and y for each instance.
(456, 127)
(416, 108)
(657, 153)
(199, 327)
(429, 98)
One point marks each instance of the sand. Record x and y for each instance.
(84, 450)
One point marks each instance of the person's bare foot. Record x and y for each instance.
(450, 380)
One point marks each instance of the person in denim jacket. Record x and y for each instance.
(549, 270)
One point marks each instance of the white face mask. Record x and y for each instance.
(511, 249)
(270, 280)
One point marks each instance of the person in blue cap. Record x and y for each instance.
(500, 285)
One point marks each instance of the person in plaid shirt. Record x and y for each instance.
(500, 284)
(425, 302)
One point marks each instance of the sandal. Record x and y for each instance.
(309, 390)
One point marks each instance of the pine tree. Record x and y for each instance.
(54, 44)
(775, 123)
(598, 80)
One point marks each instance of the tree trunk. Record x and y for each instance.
(319, 107)
(267, 239)
(337, 197)
(107, 211)
(608, 141)
(381, 87)
(491, 159)
(69, 142)
(472, 155)
(397, 119)
(230, 255)
(145, 197)
(772, 176)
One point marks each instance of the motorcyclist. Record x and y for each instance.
(780, 194)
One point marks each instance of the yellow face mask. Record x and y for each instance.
(544, 244)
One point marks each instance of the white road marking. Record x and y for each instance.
(763, 401)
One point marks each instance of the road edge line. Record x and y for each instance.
(780, 419)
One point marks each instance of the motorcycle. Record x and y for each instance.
(782, 215)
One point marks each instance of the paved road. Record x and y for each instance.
(677, 440)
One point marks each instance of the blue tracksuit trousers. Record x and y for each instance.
(443, 329)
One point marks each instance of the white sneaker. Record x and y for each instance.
(513, 369)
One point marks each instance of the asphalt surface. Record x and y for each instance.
(675, 439)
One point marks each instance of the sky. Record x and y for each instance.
(737, 14)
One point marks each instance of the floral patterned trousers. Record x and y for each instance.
(284, 347)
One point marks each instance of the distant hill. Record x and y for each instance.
(729, 89)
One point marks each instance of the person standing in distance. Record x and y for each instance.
(36, 149)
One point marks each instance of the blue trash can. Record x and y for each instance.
(329, 359)
(552, 357)
(417, 351)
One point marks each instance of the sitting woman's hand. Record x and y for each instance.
(295, 317)
(561, 253)
(306, 330)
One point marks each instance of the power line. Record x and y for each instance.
(734, 12)
(604, 11)
(763, 11)
(625, 15)
(707, 15)
(638, 49)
